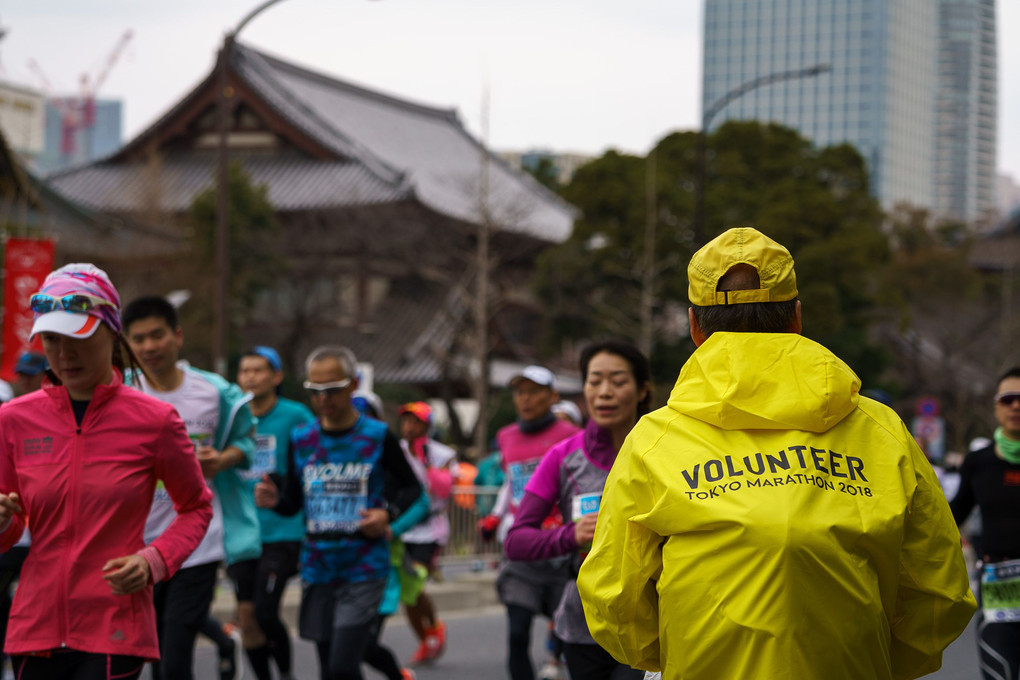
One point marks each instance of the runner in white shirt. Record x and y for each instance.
(218, 420)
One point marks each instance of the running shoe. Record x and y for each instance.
(432, 647)
(435, 638)
(231, 667)
(228, 661)
(422, 655)
(551, 671)
(408, 674)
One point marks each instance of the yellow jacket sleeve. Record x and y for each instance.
(617, 580)
(934, 601)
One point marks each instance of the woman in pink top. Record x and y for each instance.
(79, 463)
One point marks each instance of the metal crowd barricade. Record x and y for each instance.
(468, 505)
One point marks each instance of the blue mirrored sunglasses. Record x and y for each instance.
(41, 303)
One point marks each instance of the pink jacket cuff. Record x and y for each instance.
(157, 567)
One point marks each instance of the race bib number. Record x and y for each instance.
(265, 458)
(200, 439)
(161, 495)
(520, 473)
(1000, 591)
(585, 504)
(335, 506)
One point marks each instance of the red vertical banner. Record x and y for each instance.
(27, 261)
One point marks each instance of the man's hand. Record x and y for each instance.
(127, 574)
(266, 493)
(584, 529)
(214, 462)
(210, 459)
(10, 505)
(374, 522)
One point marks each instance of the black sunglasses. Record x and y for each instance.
(1007, 398)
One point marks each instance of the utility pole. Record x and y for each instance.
(481, 387)
(648, 269)
(221, 301)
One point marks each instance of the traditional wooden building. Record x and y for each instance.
(30, 207)
(380, 202)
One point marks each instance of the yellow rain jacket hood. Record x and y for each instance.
(769, 522)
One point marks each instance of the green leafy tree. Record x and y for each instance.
(546, 173)
(814, 201)
(945, 322)
(254, 252)
(581, 280)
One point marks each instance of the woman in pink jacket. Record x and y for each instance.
(80, 461)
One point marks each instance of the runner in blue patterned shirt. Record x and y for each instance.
(349, 475)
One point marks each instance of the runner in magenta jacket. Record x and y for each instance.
(79, 464)
(571, 476)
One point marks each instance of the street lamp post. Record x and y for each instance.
(221, 322)
(706, 120)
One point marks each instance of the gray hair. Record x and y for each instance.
(345, 356)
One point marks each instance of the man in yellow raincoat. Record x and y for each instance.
(770, 522)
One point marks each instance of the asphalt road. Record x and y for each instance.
(959, 661)
(477, 651)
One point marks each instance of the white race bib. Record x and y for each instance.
(335, 506)
(265, 458)
(1000, 591)
(519, 474)
(585, 504)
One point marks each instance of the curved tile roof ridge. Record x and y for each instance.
(250, 62)
(141, 138)
(449, 115)
(382, 171)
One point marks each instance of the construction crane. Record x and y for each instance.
(79, 113)
(89, 90)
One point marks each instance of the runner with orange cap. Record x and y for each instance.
(435, 464)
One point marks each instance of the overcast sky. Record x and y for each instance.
(567, 75)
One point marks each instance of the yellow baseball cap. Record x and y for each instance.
(741, 245)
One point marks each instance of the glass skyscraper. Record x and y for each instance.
(880, 94)
(966, 108)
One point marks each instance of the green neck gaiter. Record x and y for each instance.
(1008, 448)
